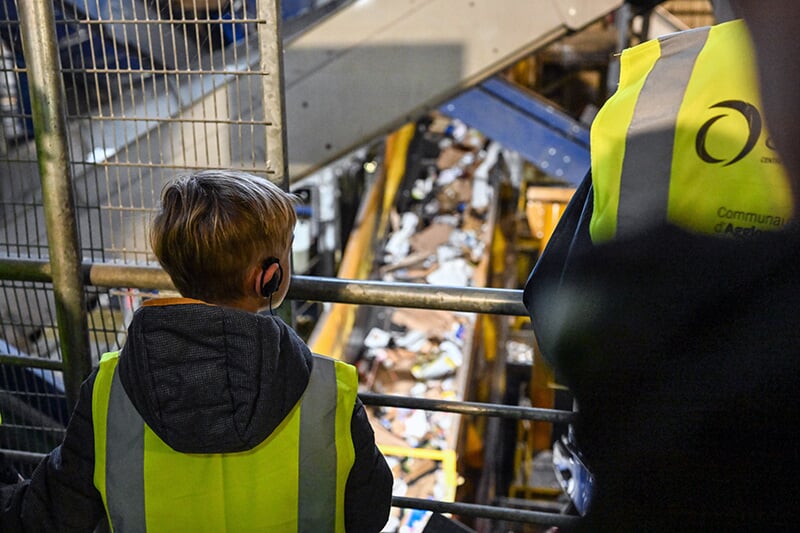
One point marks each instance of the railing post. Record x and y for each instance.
(48, 105)
(271, 61)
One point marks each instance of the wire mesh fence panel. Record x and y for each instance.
(159, 88)
(34, 409)
(28, 320)
(153, 88)
(32, 400)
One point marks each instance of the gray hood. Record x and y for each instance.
(211, 379)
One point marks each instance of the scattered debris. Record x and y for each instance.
(440, 238)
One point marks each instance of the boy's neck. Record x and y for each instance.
(250, 305)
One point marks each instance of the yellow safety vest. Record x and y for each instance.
(683, 140)
(293, 481)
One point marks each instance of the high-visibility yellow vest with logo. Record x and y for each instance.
(293, 481)
(683, 140)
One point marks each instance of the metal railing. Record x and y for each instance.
(465, 408)
(465, 299)
(54, 268)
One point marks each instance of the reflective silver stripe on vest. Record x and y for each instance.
(317, 486)
(316, 473)
(124, 461)
(647, 167)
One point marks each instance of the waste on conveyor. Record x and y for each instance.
(440, 234)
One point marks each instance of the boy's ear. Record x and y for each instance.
(255, 279)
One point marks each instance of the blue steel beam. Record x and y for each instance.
(518, 119)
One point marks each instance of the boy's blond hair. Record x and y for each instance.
(214, 226)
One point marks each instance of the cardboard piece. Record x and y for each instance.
(450, 156)
(427, 240)
(434, 322)
(454, 195)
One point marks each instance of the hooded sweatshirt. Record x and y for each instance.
(205, 379)
(210, 379)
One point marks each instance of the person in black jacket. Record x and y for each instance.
(683, 351)
(207, 374)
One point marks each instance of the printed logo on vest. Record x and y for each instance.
(775, 160)
(750, 114)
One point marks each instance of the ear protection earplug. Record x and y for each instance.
(272, 285)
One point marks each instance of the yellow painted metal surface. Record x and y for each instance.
(446, 457)
(337, 323)
(543, 208)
